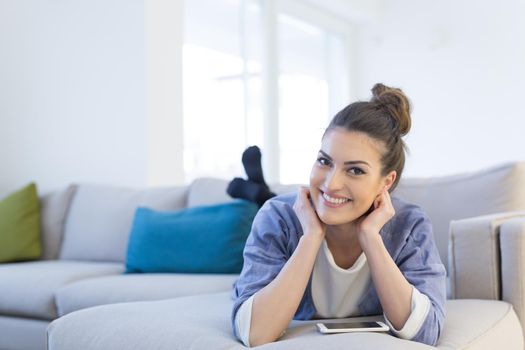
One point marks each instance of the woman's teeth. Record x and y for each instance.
(335, 200)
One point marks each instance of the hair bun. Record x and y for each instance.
(395, 103)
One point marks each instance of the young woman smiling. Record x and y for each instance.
(343, 247)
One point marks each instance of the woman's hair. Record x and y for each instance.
(386, 118)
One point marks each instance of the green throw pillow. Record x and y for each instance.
(20, 225)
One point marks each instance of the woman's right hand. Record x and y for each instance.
(307, 216)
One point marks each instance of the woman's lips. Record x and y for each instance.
(334, 202)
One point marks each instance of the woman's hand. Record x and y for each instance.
(373, 222)
(307, 216)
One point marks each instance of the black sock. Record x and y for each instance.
(249, 190)
(251, 159)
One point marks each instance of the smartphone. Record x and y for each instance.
(355, 326)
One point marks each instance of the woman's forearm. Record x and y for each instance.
(393, 290)
(275, 305)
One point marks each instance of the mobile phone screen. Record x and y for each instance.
(351, 325)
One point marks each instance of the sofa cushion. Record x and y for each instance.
(21, 333)
(20, 225)
(203, 322)
(481, 324)
(205, 239)
(28, 289)
(100, 217)
(488, 191)
(137, 287)
(53, 210)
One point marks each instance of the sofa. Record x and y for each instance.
(77, 296)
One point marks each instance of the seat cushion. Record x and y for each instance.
(137, 287)
(203, 322)
(21, 333)
(28, 289)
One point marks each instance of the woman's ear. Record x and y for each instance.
(390, 179)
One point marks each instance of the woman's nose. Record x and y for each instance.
(333, 180)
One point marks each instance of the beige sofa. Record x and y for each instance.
(479, 220)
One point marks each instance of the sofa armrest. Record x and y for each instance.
(474, 256)
(512, 238)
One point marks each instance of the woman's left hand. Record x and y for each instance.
(373, 222)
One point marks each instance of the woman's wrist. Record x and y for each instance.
(369, 240)
(312, 238)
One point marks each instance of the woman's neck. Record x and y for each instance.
(344, 245)
(342, 233)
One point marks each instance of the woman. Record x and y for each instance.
(342, 247)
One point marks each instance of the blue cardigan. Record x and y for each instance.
(407, 237)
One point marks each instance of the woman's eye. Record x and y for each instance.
(356, 171)
(323, 161)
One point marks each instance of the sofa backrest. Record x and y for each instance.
(53, 209)
(209, 191)
(488, 191)
(97, 223)
(99, 219)
(492, 190)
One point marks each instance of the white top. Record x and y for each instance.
(336, 293)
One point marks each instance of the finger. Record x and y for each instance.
(303, 190)
(377, 202)
(302, 196)
(388, 202)
(306, 193)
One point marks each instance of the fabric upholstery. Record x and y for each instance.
(28, 289)
(137, 287)
(201, 322)
(493, 190)
(20, 333)
(474, 258)
(209, 191)
(53, 210)
(100, 217)
(480, 324)
(512, 240)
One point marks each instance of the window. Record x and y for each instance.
(223, 87)
(306, 88)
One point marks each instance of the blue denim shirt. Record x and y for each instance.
(408, 238)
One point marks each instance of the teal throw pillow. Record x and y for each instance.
(205, 239)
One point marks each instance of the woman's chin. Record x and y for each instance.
(334, 219)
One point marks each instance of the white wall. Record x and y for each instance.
(462, 64)
(71, 93)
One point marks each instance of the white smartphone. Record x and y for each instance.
(354, 326)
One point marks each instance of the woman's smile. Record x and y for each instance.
(333, 201)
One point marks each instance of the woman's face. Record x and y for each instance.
(346, 177)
